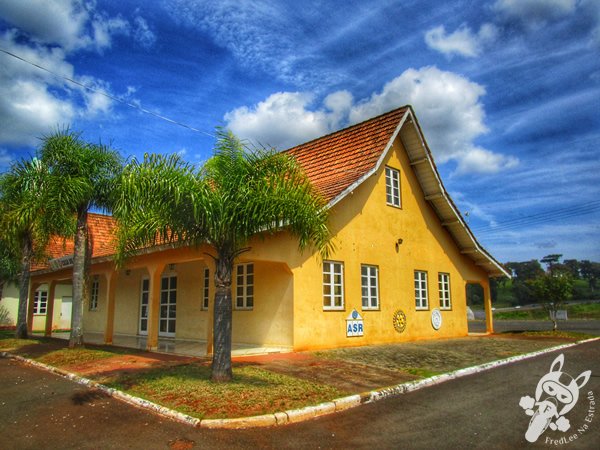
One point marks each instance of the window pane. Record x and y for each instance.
(164, 284)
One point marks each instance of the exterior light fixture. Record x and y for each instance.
(398, 243)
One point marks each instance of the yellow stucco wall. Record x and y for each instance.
(94, 320)
(288, 300)
(366, 230)
(270, 322)
(192, 320)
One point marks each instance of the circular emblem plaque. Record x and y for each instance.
(399, 321)
(436, 319)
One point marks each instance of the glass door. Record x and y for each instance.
(144, 298)
(168, 306)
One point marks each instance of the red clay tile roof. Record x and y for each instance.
(336, 161)
(332, 162)
(102, 234)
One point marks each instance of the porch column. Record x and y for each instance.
(487, 301)
(32, 288)
(50, 308)
(155, 272)
(111, 290)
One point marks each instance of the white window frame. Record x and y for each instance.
(94, 294)
(333, 289)
(392, 187)
(421, 297)
(444, 290)
(206, 288)
(144, 292)
(40, 302)
(369, 283)
(244, 287)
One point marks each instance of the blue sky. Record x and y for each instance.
(507, 91)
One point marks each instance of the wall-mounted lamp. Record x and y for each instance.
(398, 244)
(171, 266)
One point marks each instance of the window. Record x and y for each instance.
(333, 285)
(40, 302)
(421, 290)
(392, 187)
(444, 288)
(168, 305)
(205, 287)
(369, 286)
(244, 293)
(94, 294)
(144, 300)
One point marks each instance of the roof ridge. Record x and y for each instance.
(344, 130)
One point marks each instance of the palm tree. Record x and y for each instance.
(236, 194)
(28, 220)
(87, 173)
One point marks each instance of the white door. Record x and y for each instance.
(66, 308)
(168, 306)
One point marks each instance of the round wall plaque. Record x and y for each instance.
(436, 319)
(399, 321)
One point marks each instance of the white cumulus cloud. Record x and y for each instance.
(447, 105)
(462, 41)
(45, 33)
(284, 118)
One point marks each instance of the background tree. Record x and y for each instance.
(572, 266)
(237, 194)
(553, 289)
(551, 261)
(523, 272)
(590, 271)
(9, 271)
(28, 219)
(87, 173)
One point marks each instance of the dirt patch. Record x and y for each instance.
(441, 355)
(349, 376)
(121, 364)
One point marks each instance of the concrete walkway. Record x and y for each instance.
(173, 346)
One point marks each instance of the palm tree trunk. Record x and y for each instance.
(26, 251)
(79, 275)
(221, 364)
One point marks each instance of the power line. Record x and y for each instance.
(534, 219)
(112, 97)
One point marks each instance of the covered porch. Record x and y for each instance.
(184, 347)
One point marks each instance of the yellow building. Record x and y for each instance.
(403, 257)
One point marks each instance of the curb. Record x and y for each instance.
(293, 415)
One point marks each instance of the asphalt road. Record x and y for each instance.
(40, 410)
(579, 325)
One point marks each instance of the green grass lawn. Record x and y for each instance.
(254, 391)
(579, 311)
